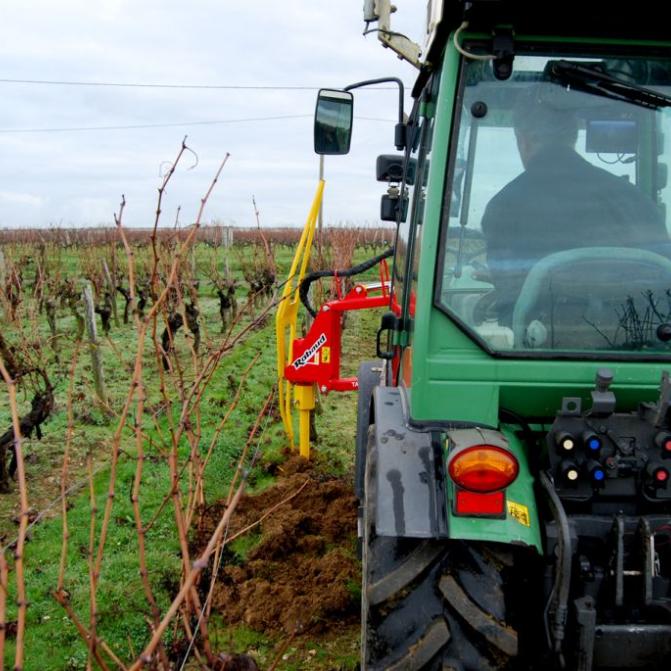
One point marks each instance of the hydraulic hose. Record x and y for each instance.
(560, 590)
(304, 287)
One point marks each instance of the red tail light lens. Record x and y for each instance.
(475, 504)
(483, 468)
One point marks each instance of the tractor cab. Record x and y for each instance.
(555, 187)
(532, 208)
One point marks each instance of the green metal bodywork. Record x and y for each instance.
(455, 379)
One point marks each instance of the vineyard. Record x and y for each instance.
(151, 513)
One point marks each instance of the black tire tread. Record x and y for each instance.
(498, 635)
(418, 561)
(425, 649)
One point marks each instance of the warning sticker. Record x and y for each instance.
(519, 513)
(326, 354)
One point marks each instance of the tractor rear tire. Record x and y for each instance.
(368, 377)
(432, 604)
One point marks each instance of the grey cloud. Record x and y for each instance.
(75, 176)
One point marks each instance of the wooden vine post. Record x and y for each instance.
(94, 345)
(111, 288)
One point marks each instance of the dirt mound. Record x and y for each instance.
(302, 573)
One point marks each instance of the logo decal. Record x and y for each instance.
(303, 359)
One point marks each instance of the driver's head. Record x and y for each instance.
(540, 120)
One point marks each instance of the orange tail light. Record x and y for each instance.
(483, 468)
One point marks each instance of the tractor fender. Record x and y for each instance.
(414, 496)
(409, 472)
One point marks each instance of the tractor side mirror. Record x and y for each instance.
(333, 122)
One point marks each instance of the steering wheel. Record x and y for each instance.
(583, 269)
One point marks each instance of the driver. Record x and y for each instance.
(560, 201)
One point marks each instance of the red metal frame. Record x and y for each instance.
(316, 358)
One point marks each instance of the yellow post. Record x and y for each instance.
(305, 402)
(285, 327)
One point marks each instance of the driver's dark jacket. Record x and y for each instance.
(561, 202)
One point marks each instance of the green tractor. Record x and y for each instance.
(513, 448)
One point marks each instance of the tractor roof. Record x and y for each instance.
(564, 19)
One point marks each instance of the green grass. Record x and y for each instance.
(242, 546)
(52, 641)
(337, 651)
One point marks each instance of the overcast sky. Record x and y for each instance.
(76, 178)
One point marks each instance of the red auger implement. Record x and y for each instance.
(310, 364)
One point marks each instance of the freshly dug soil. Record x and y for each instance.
(302, 575)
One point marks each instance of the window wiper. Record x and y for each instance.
(592, 79)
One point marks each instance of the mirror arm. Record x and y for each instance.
(400, 130)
